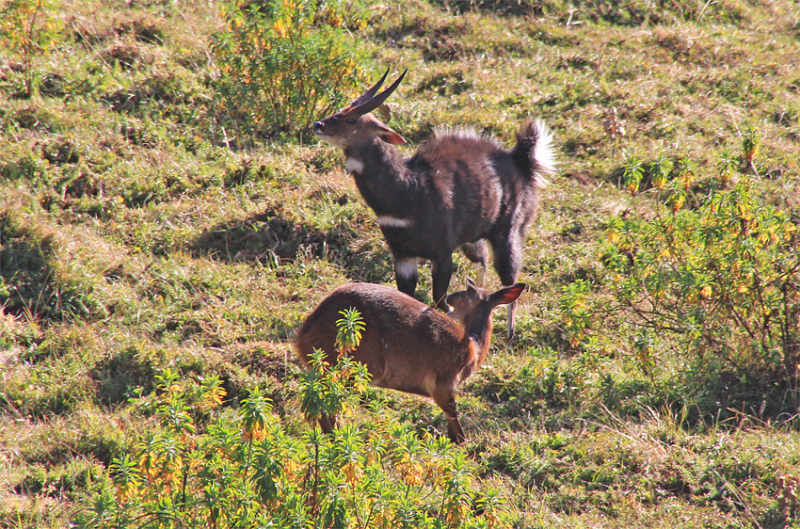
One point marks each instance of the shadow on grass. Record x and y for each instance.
(31, 282)
(728, 397)
(117, 376)
(276, 241)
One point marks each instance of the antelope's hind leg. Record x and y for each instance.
(478, 253)
(508, 249)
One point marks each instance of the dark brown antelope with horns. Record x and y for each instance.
(458, 191)
(407, 345)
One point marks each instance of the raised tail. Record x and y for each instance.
(534, 153)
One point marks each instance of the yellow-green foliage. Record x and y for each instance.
(721, 281)
(284, 63)
(246, 470)
(30, 28)
(348, 330)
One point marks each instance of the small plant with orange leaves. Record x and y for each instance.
(348, 331)
(632, 174)
(660, 169)
(686, 169)
(675, 197)
(751, 142)
(576, 312)
(726, 166)
(326, 391)
(323, 390)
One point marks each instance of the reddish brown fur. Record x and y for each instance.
(408, 346)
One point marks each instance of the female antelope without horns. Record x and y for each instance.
(459, 190)
(407, 345)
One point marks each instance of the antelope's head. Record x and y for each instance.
(355, 125)
(475, 303)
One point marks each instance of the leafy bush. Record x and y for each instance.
(246, 469)
(29, 28)
(720, 284)
(285, 63)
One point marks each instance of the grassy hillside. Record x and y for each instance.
(147, 223)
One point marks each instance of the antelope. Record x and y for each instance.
(459, 190)
(407, 345)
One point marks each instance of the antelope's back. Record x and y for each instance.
(466, 172)
(396, 325)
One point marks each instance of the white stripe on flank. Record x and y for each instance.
(354, 165)
(387, 221)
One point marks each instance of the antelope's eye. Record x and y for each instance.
(351, 121)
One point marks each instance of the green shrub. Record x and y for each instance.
(245, 469)
(718, 284)
(284, 64)
(575, 311)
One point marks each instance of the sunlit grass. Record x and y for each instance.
(153, 243)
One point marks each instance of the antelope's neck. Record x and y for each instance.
(480, 334)
(380, 175)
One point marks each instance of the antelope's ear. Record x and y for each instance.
(507, 295)
(389, 136)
